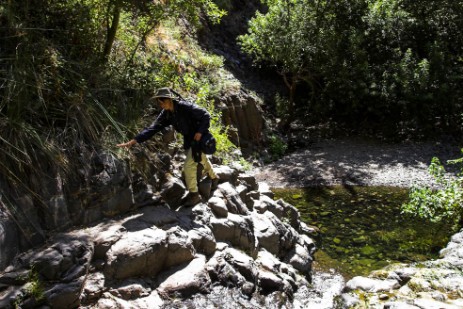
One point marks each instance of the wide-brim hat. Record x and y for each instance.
(164, 93)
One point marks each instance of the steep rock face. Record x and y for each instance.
(243, 114)
(101, 188)
(164, 251)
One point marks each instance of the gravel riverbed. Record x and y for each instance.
(359, 162)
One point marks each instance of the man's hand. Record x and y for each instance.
(128, 144)
(197, 136)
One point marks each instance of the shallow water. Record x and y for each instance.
(362, 228)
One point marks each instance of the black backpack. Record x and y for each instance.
(208, 143)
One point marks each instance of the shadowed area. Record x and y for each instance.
(358, 162)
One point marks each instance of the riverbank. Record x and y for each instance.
(358, 162)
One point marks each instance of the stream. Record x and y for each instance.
(362, 228)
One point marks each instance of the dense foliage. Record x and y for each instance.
(380, 64)
(79, 72)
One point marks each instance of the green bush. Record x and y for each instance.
(277, 147)
(442, 204)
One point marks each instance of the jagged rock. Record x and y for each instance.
(270, 282)
(273, 235)
(203, 240)
(186, 280)
(243, 112)
(242, 191)
(172, 191)
(66, 259)
(152, 301)
(65, 295)
(93, 288)
(145, 243)
(232, 199)
(266, 233)
(236, 229)
(145, 218)
(299, 257)
(249, 181)
(105, 239)
(226, 174)
(220, 270)
(109, 301)
(14, 278)
(243, 263)
(290, 213)
(9, 296)
(312, 231)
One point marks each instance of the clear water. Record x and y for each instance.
(362, 228)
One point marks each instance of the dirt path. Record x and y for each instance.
(358, 162)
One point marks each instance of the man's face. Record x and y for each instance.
(164, 103)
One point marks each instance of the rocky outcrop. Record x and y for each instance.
(431, 284)
(101, 187)
(237, 238)
(242, 114)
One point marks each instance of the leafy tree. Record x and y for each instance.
(396, 63)
(293, 36)
(153, 12)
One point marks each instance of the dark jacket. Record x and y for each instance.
(187, 118)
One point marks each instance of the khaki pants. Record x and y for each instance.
(191, 167)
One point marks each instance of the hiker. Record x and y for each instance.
(192, 121)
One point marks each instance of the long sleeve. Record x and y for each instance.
(162, 121)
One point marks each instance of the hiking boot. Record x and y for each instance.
(214, 183)
(192, 199)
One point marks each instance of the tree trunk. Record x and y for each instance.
(112, 29)
(291, 84)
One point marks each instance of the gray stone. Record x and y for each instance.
(218, 206)
(187, 280)
(173, 191)
(131, 290)
(235, 229)
(139, 253)
(203, 240)
(249, 181)
(180, 247)
(264, 189)
(270, 282)
(232, 199)
(371, 285)
(226, 174)
(300, 259)
(93, 288)
(65, 295)
(105, 237)
(243, 263)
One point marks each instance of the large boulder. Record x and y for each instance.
(138, 253)
(186, 280)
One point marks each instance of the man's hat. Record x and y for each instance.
(165, 93)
